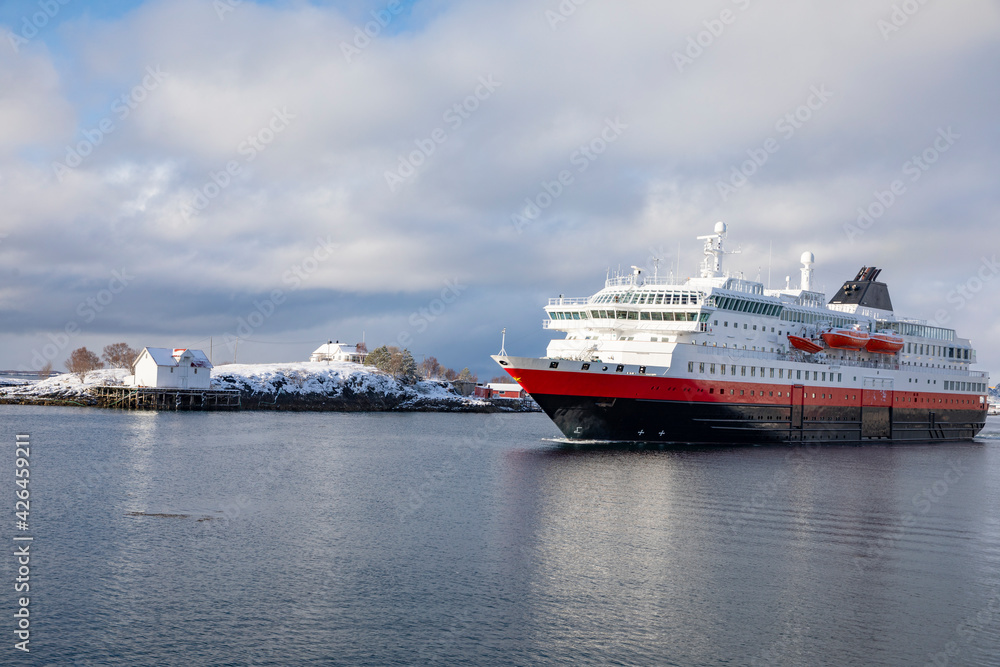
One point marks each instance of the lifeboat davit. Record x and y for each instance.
(884, 343)
(846, 339)
(804, 344)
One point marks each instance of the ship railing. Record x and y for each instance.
(946, 371)
(630, 279)
(569, 301)
(797, 356)
(737, 353)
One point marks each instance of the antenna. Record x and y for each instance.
(770, 244)
(503, 341)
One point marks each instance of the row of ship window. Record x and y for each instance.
(778, 310)
(955, 385)
(746, 306)
(918, 330)
(937, 350)
(651, 298)
(817, 376)
(630, 315)
(732, 392)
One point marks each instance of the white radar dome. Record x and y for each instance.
(807, 258)
(720, 228)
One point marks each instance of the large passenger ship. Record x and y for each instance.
(720, 359)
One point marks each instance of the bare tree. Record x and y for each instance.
(119, 355)
(499, 379)
(81, 361)
(45, 371)
(468, 376)
(430, 368)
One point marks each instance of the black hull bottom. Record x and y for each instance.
(638, 420)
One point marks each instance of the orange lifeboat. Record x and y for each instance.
(846, 339)
(804, 344)
(884, 342)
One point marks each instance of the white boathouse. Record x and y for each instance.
(179, 368)
(330, 351)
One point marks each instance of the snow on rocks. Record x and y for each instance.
(335, 385)
(304, 385)
(66, 386)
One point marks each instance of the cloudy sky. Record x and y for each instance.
(429, 172)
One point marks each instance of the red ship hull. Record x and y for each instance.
(635, 407)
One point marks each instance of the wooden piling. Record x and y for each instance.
(163, 398)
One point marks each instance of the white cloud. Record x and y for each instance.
(347, 123)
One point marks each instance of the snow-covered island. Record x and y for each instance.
(333, 386)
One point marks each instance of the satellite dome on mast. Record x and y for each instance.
(711, 266)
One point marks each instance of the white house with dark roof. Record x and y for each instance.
(330, 351)
(178, 368)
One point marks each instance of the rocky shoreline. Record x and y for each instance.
(300, 387)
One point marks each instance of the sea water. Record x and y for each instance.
(257, 538)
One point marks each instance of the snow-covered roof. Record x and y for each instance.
(164, 356)
(497, 386)
(198, 358)
(336, 348)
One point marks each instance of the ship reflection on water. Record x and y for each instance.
(693, 554)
